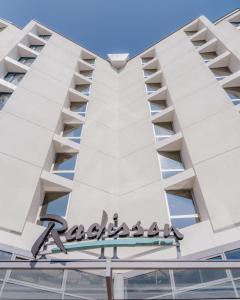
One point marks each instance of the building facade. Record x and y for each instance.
(155, 140)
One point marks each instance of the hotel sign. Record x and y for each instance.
(101, 235)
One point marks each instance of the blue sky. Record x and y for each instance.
(113, 26)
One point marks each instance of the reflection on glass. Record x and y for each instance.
(148, 285)
(157, 106)
(83, 88)
(86, 284)
(234, 255)
(171, 163)
(46, 37)
(64, 165)
(72, 132)
(4, 256)
(181, 207)
(26, 60)
(153, 87)
(15, 291)
(79, 107)
(234, 94)
(55, 203)
(4, 98)
(13, 77)
(37, 48)
(163, 130)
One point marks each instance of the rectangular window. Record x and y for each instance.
(83, 88)
(146, 60)
(182, 208)
(221, 72)
(199, 43)
(157, 106)
(26, 60)
(37, 48)
(148, 72)
(64, 165)
(208, 56)
(55, 203)
(4, 98)
(234, 94)
(190, 32)
(171, 163)
(46, 37)
(72, 132)
(87, 73)
(79, 107)
(234, 255)
(152, 87)
(163, 130)
(90, 61)
(236, 24)
(13, 77)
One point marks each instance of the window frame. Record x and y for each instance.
(72, 138)
(162, 170)
(82, 114)
(56, 172)
(159, 138)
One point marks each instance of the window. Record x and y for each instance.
(26, 60)
(46, 37)
(157, 106)
(64, 165)
(190, 32)
(152, 87)
(221, 72)
(171, 163)
(234, 94)
(4, 98)
(37, 48)
(163, 130)
(83, 88)
(182, 209)
(236, 24)
(198, 43)
(79, 107)
(207, 56)
(146, 60)
(234, 255)
(90, 61)
(55, 203)
(72, 132)
(87, 73)
(13, 77)
(148, 72)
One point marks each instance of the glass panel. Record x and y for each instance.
(152, 87)
(235, 23)
(65, 161)
(86, 284)
(234, 255)
(14, 78)
(221, 71)
(146, 59)
(180, 203)
(67, 175)
(55, 203)
(171, 160)
(166, 174)
(148, 285)
(3, 99)
(149, 72)
(83, 88)
(79, 107)
(233, 92)
(14, 291)
(190, 32)
(208, 55)
(86, 73)
(198, 43)
(184, 222)
(26, 60)
(91, 61)
(165, 128)
(4, 256)
(45, 36)
(70, 130)
(36, 47)
(50, 278)
(157, 106)
(220, 291)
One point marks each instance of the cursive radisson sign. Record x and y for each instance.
(57, 229)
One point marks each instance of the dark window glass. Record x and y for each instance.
(37, 48)
(26, 60)
(4, 256)
(234, 255)
(14, 78)
(3, 99)
(45, 36)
